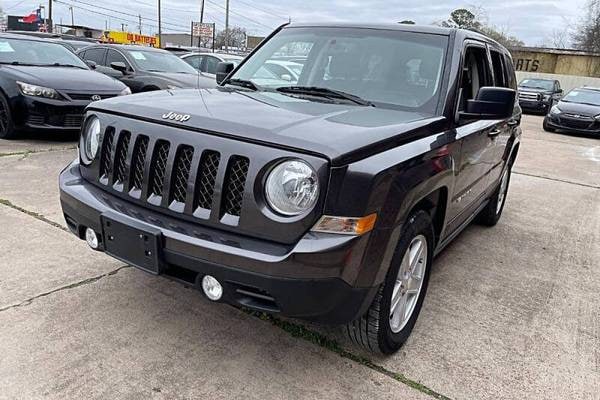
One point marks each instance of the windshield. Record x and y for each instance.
(583, 97)
(538, 84)
(35, 52)
(393, 69)
(158, 61)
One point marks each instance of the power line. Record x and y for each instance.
(113, 16)
(241, 15)
(262, 9)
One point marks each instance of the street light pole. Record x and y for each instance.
(72, 17)
(227, 26)
(159, 27)
(50, 28)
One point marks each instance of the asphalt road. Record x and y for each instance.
(512, 312)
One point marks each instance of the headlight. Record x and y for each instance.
(555, 110)
(90, 140)
(547, 97)
(38, 91)
(125, 91)
(292, 188)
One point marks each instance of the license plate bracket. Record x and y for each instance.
(133, 243)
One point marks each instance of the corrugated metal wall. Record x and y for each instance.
(567, 82)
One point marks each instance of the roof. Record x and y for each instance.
(571, 52)
(25, 37)
(437, 30)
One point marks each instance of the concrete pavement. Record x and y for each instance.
(511, 313)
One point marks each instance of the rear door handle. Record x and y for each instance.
(494, 132)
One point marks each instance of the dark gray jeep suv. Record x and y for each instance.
(324, 197)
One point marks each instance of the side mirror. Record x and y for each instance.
(560, 91)
(91, 64)
(224, 69)
(491, 103)
(119, 66)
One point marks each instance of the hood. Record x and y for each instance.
(579, 109)
(331, 130)
(195, 81)
(64, 78)
(534, 90)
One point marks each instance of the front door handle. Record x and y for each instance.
(513, 122)
(494, 133)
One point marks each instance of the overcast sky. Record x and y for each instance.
(533, 21)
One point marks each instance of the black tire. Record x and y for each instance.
(7, 126)
(547, 128)
(492, 212)
(373, 330)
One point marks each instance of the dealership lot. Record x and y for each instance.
(512, 312)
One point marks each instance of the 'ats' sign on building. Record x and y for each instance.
(130, 38)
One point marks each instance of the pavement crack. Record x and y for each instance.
(33, 214)
(70, 286)
(26, 153)
(557, 180)
(323, 341)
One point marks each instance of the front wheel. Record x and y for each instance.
(7, 126)
(392, 315)
(547, 128)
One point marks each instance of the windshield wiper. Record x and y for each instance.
(18, 63)
(63, 65)
(325, 92)
(243, 83)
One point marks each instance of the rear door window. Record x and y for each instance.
(115, 56)
(499, 71)
(211, 64)
(96, 55)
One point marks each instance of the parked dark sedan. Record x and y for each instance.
(144, 69)
(577, 112)
(46, 86)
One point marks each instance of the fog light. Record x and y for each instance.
(212, 288)
(91, 238)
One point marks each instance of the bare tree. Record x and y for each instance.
(587, 35)
(237, 38)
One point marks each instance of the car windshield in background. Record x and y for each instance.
(38, 53)
(157, 61)
(537, 84)
(583, 96)
(385, 68)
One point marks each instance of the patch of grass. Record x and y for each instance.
(321, 340)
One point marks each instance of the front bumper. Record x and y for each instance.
(39, 113)
(534, 105)
(573, 126)
(309, 280)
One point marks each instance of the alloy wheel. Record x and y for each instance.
(409, 282)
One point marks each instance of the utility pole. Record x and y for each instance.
(159, 27)
(226, 26)
(72, 16)
(140, 22)
(202, 11)
(50, 16)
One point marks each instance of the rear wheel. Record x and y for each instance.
(7, 127)
(492, 212)
(394, 311)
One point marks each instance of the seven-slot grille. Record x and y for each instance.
(170, 171)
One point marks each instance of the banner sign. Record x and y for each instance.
(129, 38)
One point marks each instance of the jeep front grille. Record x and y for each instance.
(172, 169)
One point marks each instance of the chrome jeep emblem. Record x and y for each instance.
(96, 97)
(173, 116)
